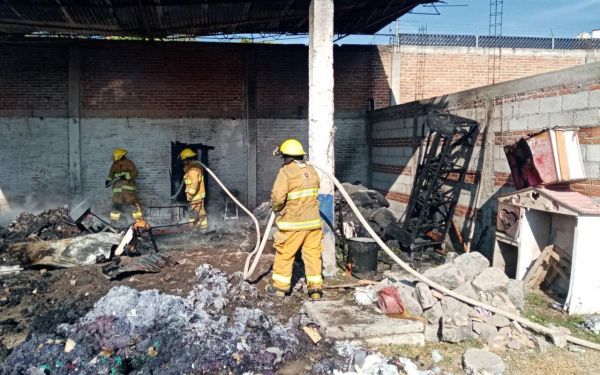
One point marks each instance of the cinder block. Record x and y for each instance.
(517, 123)
(592, 153)
(575, 101)
(563, 118)
(550, 104)
(594, 97)
(538, 121)
(528, 107)
(587, 117)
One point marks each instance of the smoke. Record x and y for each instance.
(10, 211)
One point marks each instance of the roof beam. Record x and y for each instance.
(65, 13)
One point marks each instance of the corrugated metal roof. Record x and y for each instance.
(497, 41)
(159, 18)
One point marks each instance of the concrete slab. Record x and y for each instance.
(415, 339)
(346, 320)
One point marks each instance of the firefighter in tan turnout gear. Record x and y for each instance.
(294, 200)
(121, 177)
(194, 187)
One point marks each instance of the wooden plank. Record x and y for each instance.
(563, 159)
(533, 270)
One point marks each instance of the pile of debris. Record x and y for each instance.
(373, 206)
(216, 328)
(450, 320)
(48, 225)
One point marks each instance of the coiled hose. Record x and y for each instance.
(258, 249)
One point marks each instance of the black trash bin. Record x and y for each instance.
(362, 254)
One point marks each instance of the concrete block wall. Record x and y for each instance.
(143, 96)
(445, 70)
(507, 112)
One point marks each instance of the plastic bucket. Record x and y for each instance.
(362, 254)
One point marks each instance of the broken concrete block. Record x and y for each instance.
(447, 275)
(424, 296)
(478, 362)
(491, 279)
(514, 345)
(516, 293)
(541, 343)
(466, 290)
(461, 320)
(497, 343)
(471, 264)
(382, 217)
(434, 314)
(340, 320)
(412, 305)
(506, 331)
(413, 339)
(432, 332)
(453, 333)
(484, 330)
(452, 305)
(499, 321)
(559, 339)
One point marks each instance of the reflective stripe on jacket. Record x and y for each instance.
(294, 197)
(194, 182)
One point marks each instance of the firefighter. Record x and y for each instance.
(294, 200)
(194, 188)
(122, 179)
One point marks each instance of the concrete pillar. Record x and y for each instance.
(251, 124)
(394, 80)
(321, 129)
(74, 100)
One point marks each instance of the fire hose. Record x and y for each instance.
(258, 249)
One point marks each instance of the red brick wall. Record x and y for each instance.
(151, 80)
(448, 69)
(33, 79)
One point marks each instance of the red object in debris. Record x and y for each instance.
(390, 301)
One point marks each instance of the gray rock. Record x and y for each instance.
(382, 217)
(434, 314)
(491, 279)
(506, 331)
(484, 330)
(576, 349)
(453, 333)
(467, 290)
(471, 264)
(424, 296)
(541, 343)
(432, 332)
(514, 345)
(497, 343)
(447, 275)
(559, 339)
(516, 293)
(499, 321)
(479, 362)
(412, 305)
(452, 305)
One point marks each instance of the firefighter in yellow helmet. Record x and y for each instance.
(194, 187)
(121, 177)
(294, 200)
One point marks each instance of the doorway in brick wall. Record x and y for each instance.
(177, 167)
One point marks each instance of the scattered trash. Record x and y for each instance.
(436, 356)
(365, 295)
(313, 333)
(7, 270)
(69, 345)
(592, 323)
(149, 263)
(152, 352)
(390, 301)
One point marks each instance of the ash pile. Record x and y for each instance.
(450, 320)
(373, 206)
(217, 328)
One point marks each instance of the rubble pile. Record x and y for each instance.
(451, 320)
(373, 206)
(217, 328)
(48, 225)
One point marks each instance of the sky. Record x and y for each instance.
(541, 18)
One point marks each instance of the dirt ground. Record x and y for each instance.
(39, 300)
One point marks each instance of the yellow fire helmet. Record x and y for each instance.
(187, 153)
(118, 154)
(291, 147)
